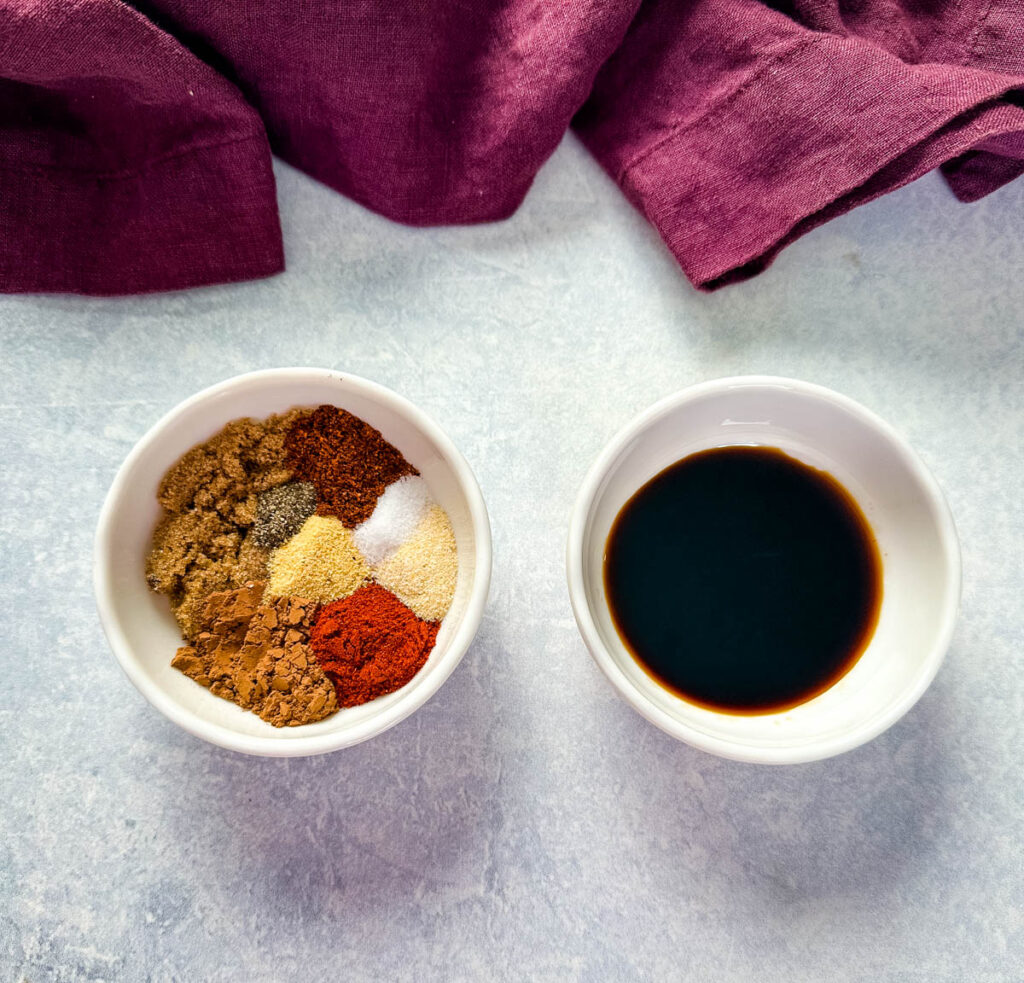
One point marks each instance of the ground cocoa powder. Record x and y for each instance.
(258, 656)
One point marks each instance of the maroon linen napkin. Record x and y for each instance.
(735, 128)
(126, 164)
(133, 155)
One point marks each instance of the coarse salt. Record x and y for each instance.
(395, 518)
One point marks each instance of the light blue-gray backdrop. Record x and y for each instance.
(525, 824)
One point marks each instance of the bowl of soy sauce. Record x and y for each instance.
(764, 569)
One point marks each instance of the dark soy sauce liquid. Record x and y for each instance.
(743, 580)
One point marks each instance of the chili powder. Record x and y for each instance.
(348, 461)
(370, 644)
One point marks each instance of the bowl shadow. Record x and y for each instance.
(858, 823)
(403, 815)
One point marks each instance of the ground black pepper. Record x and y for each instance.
(281, 511)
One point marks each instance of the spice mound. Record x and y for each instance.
(348, 461)
(306, 563)
(321, 562)
(422, 572)
(257, 655)
(209, 498)
(281, 511)
(371, 644)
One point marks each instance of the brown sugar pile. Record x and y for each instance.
(258, 656)
(210, 498)
(348, 461)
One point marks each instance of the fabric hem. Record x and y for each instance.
(767, 163)
(130, 172)
(194, 218)
(682, 126)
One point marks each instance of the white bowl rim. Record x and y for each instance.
(812, 751)
(272, 745)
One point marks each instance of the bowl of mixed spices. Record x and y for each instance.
(292, 561)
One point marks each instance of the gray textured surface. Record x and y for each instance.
(524, 824)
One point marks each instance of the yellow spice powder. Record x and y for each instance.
(320, 562)
(422, 572)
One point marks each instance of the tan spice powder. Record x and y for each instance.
(209, 498)
(423, 571)
(320, 562)
(258, 656)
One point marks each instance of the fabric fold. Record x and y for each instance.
(135, 140)
(126, 164)
(996, 43)
(434, 113)
(202, 216)
(736, 135)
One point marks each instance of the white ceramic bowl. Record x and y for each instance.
(139, 624)
(899, 498)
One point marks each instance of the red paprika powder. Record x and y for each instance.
(370, 644)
